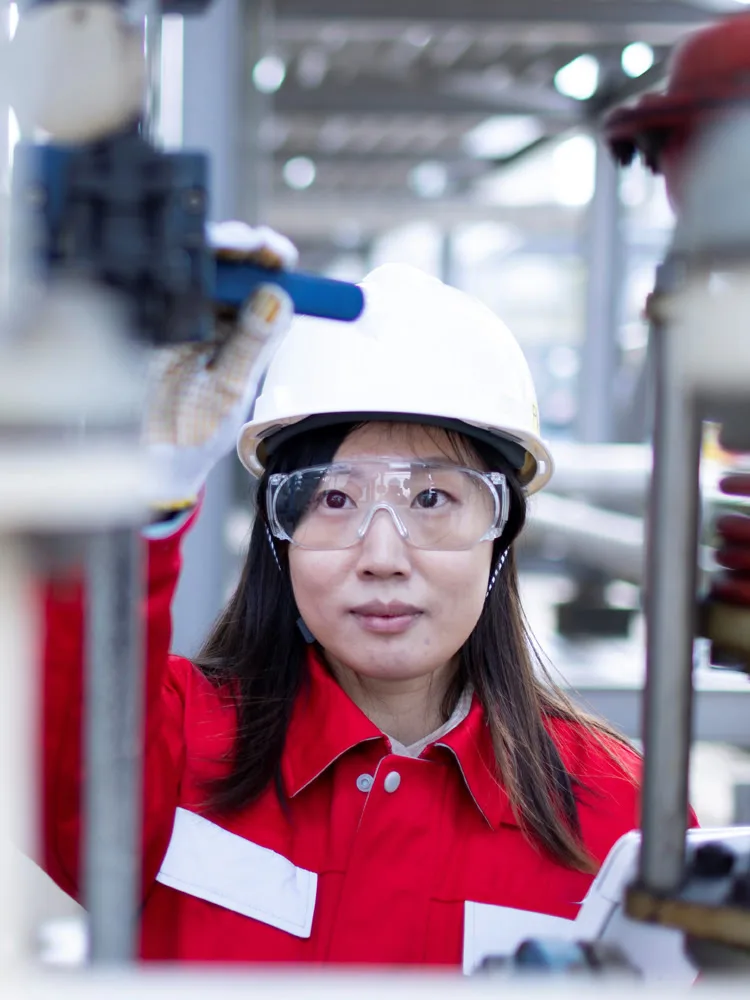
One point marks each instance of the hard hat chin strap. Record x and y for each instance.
(269, 536)
(304, 630)
(493, 578)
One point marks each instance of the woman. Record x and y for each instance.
(366, 760)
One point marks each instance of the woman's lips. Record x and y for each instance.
(386, 619)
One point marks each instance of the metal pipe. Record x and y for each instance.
(670, 616)
(608, 472)
(113, 743)
(599, 538)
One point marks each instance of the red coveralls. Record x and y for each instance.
(379, 858)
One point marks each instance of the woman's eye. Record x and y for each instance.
(430, 499)
(334, 500)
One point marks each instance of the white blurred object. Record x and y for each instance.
(63, 943)
(77, 70)
(299, 172)
(579, 78)
(269, 73)
(429, 179)
(637, 58)
(501, 135)
(574, 170)
(72, 381)
(232, 235)
(657, 952)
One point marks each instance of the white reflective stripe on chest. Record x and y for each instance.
(498, 930)
(209, 862)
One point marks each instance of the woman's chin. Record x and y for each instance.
(393, 660)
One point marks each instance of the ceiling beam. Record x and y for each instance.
(378, 96)
(468, 12)
(355, 158)
(310, 216)
(540, 34)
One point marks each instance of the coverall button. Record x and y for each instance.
(364, 782)
(392, 781)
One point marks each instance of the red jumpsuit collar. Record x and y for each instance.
(326, 724)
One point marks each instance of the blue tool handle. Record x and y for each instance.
(312, 295)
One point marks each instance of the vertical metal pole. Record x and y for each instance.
(213, 62)
(213, 78)
(18, 737)
(604, 253)
(113, 743)
(670, 618)
(19, 631)
(152, 115)
(114, 689)
(257, 178)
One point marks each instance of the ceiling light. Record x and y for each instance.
(418, 35)
(312, 67)
(501, 135)
(334, 134)
(269, 73)
(574, 169)
(579, 78)
(12, 19)
(429, 179)
(636, 58)
(299, 172)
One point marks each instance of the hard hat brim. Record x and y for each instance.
(526, 453)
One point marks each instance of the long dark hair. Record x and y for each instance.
(257, 653)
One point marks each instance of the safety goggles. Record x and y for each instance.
(434, 505)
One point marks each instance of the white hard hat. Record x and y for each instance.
(421, 351)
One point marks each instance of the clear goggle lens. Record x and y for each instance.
(433, 505)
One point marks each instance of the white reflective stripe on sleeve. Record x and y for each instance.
(498, 930)
(209, 862)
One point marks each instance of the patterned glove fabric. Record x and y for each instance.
(201, 394)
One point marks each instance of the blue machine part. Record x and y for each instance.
(312, 295)
(134, 218)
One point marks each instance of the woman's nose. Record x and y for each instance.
(383, 551)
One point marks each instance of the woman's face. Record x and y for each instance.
(444, 590)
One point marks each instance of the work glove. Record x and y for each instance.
(199, 395)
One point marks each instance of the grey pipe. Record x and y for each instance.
(112, 745)
(670, 618)
(599, 538)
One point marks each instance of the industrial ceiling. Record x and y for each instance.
(384, 97)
